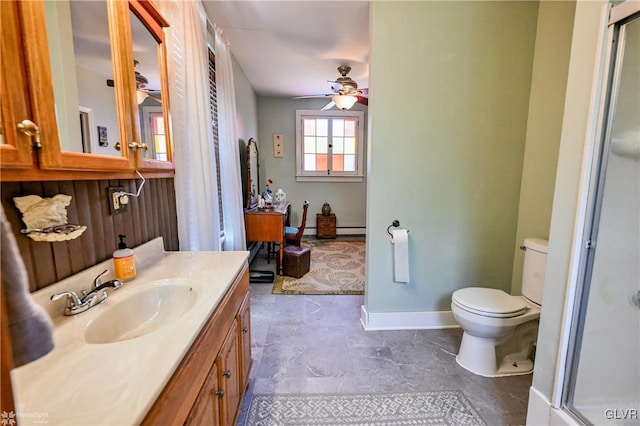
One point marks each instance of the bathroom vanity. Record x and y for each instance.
(172, 346)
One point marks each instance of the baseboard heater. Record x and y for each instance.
(261, 277)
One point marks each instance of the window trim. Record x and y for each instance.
(302, 176)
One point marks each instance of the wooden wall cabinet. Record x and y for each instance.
(208, 386)
(27, 93)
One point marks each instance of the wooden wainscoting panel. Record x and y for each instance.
(151, 215)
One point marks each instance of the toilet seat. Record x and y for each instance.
(489, 302)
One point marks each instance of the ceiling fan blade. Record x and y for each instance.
(362, 100)
(141, 95)
(154, 98)
(328, 106)
(311, 96)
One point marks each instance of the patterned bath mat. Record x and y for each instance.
(380, 409)
(337, 267)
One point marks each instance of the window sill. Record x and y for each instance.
(329, 178)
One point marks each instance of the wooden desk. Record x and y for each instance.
(267, 226)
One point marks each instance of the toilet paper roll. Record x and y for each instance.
(400, 239)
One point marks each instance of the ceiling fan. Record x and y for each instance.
(142, 92)
(346, 92)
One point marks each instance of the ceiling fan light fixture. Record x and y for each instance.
(344, 101)
(140, 96)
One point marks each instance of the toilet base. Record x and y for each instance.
(478, 355)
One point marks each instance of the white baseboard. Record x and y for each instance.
(558, 417)
(538, 408)
(406, 320)
(541, 413)
(339, 231)
(351, 231)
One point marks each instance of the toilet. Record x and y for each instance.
(500, 330)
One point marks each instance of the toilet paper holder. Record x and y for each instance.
(394, 224)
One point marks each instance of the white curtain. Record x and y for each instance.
(230, 177)
(194, 156)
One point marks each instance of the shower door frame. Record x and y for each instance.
(594, 168)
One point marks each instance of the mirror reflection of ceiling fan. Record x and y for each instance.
(345, 92)
(142, 92)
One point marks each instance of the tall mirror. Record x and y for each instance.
(80, 52)
(148, 73)
(253, 171)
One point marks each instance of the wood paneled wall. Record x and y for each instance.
(151, 215)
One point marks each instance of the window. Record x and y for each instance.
(153, 127)
(159, 136)
(213, 106)
(329, 146)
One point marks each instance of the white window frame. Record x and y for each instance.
(322, 176)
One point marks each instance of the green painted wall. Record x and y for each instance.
(448, 113)
(347, 199)
(546, 105)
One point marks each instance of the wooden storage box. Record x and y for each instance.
(296, 261)
(326, 225)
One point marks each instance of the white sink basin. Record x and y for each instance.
(142, 312)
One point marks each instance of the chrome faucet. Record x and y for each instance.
(89, 299)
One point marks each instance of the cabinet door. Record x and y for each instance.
(15, 146)
(229, 376)
(206, 411)
(244, 325)
(68, 67)
(48, 51)
(151, 95)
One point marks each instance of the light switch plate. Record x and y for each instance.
(278, 145)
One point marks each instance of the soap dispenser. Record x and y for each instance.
(124, 261)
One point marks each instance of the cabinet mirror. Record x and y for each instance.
(147, 52)
(74, 83)
(82, 74)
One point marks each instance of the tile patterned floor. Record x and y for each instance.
(316, 344)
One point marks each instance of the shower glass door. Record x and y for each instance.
(603, 383)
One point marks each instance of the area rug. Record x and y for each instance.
(379, 409)
(337, 267)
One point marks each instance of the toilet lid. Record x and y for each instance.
(489, 302)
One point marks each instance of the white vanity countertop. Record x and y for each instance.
(78, 383)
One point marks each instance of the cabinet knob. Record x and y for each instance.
(116, 146)
(30, 128)
(227, 374)
(219, 393)
(245, 329)
(134, 146)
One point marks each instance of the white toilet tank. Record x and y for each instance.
(535, 263)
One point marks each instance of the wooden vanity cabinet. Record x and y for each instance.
(244, 325)
(27, 93)
(206, 411)
(229, 377)
(208, 385)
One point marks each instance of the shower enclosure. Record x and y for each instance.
(602, 384)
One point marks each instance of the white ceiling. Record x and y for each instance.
(291, 48)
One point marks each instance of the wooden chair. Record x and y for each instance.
(292, 234)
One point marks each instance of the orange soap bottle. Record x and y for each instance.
(124, 261)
